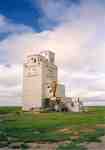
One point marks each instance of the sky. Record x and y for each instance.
(73, 29)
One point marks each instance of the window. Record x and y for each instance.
(34, 60)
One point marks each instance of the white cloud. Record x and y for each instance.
(59, 10)
(10, 80)
(79, 44)
(7, 26)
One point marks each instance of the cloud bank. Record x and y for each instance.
(10, 84)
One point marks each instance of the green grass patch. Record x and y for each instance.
(71, 146)
(5, 110)
(16, 125)
(84, 137)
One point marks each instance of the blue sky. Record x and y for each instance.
(21, 12)
(73, 29)
(28, 12)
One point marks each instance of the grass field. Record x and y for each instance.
(18, 126)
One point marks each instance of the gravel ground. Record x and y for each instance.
(96, 146)
(50, 146)
(39, 146)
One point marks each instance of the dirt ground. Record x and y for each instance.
(47, 146)
(50, 146)
(96, 146)
(40, 146)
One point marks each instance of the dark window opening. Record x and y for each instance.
(34, 60)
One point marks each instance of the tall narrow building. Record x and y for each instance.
(39, 72)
